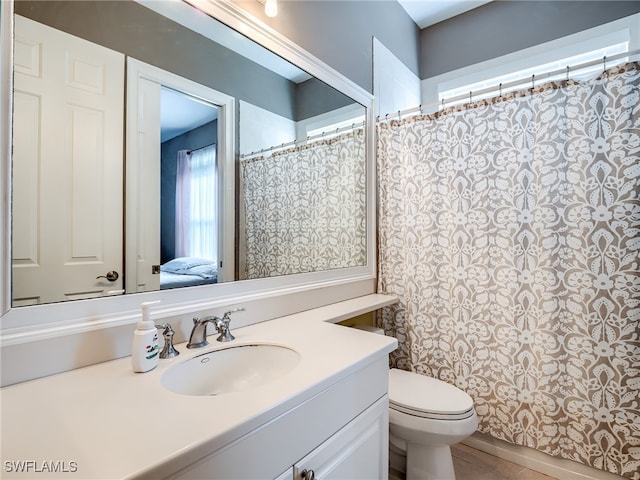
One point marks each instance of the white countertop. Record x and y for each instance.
(104, 421)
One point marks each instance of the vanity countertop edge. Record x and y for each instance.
(104, 421)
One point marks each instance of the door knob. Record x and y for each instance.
(112, 276)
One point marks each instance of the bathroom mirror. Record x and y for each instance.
(288, 149)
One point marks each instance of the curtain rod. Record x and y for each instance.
(189, 152)
(353, 126)
(513, 83)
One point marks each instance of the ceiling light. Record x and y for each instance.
(271, 8)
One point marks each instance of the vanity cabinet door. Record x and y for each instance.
(358, 451)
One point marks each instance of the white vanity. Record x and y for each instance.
(327, 416)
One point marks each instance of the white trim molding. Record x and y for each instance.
(6, 109)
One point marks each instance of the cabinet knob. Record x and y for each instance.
(308, 474)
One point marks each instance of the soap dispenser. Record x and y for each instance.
(144, 355)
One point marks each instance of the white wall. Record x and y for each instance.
(260, 128)
(394, 85)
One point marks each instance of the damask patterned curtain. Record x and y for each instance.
(510, 230)
(304, 208)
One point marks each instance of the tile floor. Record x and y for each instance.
(472, 464)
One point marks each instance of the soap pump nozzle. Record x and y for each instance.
(145, 321)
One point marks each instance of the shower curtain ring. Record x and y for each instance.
(533, 81)
(399, 117)
(501, 90)
(567, 73)
(604, 64)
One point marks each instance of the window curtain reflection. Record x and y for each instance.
(197, 204)
(304, 208)
(510, 231)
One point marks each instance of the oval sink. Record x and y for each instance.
(232, 369)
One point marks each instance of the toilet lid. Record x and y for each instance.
(426, 396)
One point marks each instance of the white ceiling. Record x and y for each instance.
(180, 113)
(429, 12)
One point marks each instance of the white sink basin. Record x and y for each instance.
(232, 369)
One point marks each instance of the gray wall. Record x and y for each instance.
(506, 26)
(138, 32)
(314, 97)
(340, 32)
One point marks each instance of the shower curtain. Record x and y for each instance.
(305, 207)
(510, 230)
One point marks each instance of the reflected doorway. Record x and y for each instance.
(178, 163)
(189, 190)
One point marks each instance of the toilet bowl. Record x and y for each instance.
(426, 417)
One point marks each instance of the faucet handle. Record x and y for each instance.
(168, 351)
(222, 325)
(165, 327)
(228, 313)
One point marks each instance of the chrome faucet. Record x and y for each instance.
(198, 337)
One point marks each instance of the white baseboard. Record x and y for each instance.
(540, 462)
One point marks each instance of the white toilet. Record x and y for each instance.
(426, 417)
